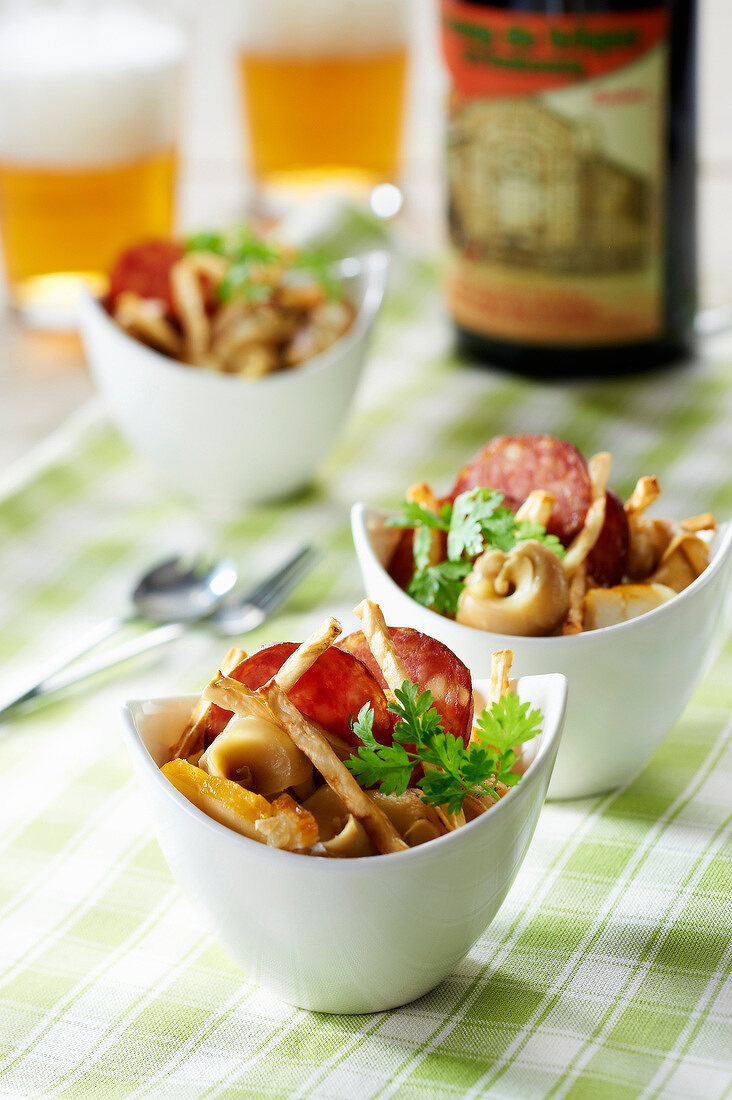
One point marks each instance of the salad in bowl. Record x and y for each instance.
(350, 813)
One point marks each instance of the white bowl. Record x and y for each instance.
(627, 683)
(224, 439)
(358, 935)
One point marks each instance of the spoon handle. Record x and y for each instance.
(99, 633)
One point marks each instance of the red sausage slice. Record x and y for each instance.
(430, 664)
(608, 558)
(401, 564)
(332, 690)
(145, 270)
(516, 464)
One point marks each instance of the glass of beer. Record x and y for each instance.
(88, 114)
(322, 85)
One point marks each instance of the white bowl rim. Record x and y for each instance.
(375, 268)
(356, 864)
(585, 637)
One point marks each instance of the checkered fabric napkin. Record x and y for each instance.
(607, 971)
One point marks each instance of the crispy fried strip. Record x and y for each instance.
(704, 522)
(582, 543)
(188, 300)
(422, 494)
(537, 508)
(209, 264)
(291, 826)
(501, 662)
(144, 319)
(307, 654)
(231, 695)
(577, 590)
(646, 491)
(309, 740)
(191, 739)
(377, 635)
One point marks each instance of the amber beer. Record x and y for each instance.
(322, 86)
(88, 102)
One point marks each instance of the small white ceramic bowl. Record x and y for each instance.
(627, 683)
(220, 438)
(346, 935)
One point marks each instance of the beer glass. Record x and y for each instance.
(322, 84)
(88, 112)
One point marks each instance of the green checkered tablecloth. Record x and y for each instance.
(607, 971)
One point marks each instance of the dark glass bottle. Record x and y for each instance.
(571, 182)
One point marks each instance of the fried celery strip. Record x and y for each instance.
(584, 540)
(191, 739)
(501, 661)
(537, 508)
(646, 491)
(392, 668)
(704, 522)
(188, 300)
(307, 654)
(574, 621)
(422, 494)
(313, 744)
(377, 635)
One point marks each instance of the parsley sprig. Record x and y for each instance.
(478, 520)
(453, 771)
(250, 253)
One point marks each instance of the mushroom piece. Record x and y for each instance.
(257, 752)
(649, 540)
(523, 592)
(341, 834)
(610, 606)
(685, 558)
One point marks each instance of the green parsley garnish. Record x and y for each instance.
(248, 253)
(453, 771)
(477, 521)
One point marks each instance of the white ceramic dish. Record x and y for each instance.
(358, 935)
(627, 683)
(220, 438)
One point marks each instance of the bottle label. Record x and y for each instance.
(556, 174)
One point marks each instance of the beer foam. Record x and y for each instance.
(317, 28)
(87, 85)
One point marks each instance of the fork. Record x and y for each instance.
(236, 615)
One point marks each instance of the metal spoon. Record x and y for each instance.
(177, 591)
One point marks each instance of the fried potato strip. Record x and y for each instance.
(646, 491)
(704, 522)
(188, 300)
(392, 667)
(537, 508)
(422, 494)
(310, 741)
(582, 543)
(577, 590)
(307, 654)
(191, 739)
(377, 635)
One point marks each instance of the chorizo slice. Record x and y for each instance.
(517, 464)
(332, 690)
(608, 558)
(431, 665)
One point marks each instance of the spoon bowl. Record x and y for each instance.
(183, 589)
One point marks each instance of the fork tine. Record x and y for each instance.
(278, 592)
(272, 584)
